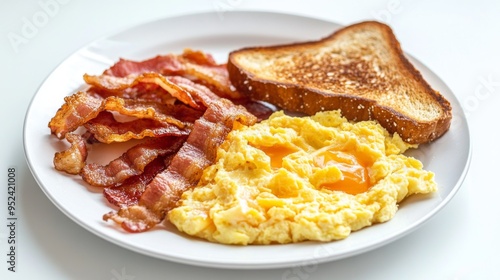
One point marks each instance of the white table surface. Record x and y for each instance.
(459, 42)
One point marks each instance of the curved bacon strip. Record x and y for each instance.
(130, 163)
(134, 86)
(215, 77)
(203, 95)
(129, 192)
(192, 93)
(76, 110)
(105, 129)
(165, 64)
(198, 66)
(260, 110)
(179, 115)
(186, 168)
(205, 70)
(198, 57)
(83, 106)
(183, 89)
(73, 159)
(142, 109)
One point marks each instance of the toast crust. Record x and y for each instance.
(369, 79)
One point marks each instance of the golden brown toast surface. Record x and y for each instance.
(359, 69)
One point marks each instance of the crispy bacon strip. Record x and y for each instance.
(198, 57)
(186, 168)
(144, 187)
(165, 64)
(105, 129)
(129, 192)
(201, 94)
(215, 77)
(142, 109)
(198, 66)
(76, 110)
(196, 93)
(83, 106)
(73, 159)
(203, 69)
(181, 88)
(130, 163)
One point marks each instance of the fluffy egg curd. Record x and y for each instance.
(290, 179)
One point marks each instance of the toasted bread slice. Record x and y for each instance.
(359, 69)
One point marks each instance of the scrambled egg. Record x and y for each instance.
(291, 179)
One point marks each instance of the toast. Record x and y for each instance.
(360, 69)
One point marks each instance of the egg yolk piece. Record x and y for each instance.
(354, 179)
(277, 153)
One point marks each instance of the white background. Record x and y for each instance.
(458, 40)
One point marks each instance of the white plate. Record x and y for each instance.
(218, 33)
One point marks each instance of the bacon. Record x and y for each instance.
(164, 64)
(83, 106)
(177, 104)
(73, 159)
(186, 168)
(105, 129)
(142, 109)
(203, 69)
(196, 65)
(134, 86)
(76, 110)
(124, 87)
(130, 163)
(203, 95)
(129, 192)
(183, 89)
(215, 77)
(260, 110)
(193, 94)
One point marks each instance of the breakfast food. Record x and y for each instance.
(360, 69)
(291, 179)
(185, 168)
(178, 108)
(219, 164)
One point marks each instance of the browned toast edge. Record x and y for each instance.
(309, 101)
